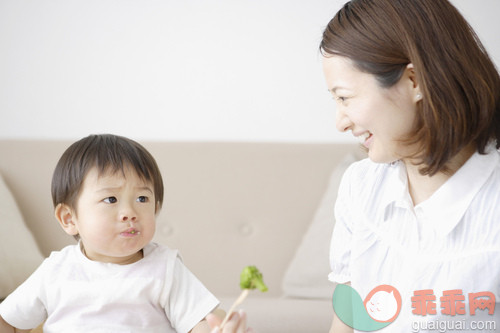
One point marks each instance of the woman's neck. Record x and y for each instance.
(422, 187)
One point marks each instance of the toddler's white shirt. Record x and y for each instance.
(450, 241)
(75, 294)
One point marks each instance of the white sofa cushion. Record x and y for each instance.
(19, 253)
(307, 273)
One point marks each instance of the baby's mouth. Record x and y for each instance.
(130, 232)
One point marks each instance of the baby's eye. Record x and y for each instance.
(142, 198)
(110, 200)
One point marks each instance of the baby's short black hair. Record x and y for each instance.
(108, 153)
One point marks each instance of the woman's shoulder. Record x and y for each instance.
(369, 186)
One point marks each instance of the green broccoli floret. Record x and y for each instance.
(251, 278)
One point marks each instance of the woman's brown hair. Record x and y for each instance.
(458, 81)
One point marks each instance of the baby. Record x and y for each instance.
(107, 191)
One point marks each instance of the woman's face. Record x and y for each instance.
(379, 117)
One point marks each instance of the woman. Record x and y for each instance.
(412, 81)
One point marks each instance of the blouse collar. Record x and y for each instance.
(446, 207)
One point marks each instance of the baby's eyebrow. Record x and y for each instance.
(117, 188)
(144, 188)
(108, 189)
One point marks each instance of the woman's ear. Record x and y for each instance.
(66, 217)
(415, 87)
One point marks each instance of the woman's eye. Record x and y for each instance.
(339, 99)
(142, 198)
(110, 200)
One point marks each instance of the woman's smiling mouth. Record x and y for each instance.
(363, 137)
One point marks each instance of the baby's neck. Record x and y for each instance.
(115, 260)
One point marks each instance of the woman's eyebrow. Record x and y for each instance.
(335, 88)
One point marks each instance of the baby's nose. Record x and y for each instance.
(128, 217)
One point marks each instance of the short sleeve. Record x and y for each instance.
(24, 308)
(188, 301)
(341, 242)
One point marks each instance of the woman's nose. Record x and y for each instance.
(342, 122)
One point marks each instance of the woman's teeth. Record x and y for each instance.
(362, 138)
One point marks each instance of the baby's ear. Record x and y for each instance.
(157, 208)
(66, 217)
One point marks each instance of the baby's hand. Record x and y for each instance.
(237, 323)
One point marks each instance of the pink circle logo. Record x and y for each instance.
(383, 303)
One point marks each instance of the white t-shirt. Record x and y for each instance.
(75, 294)
(449, 242)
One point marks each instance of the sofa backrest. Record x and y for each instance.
(227, 205)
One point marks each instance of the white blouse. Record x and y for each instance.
(450, 241)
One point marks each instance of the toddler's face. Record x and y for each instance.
(115, 216)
